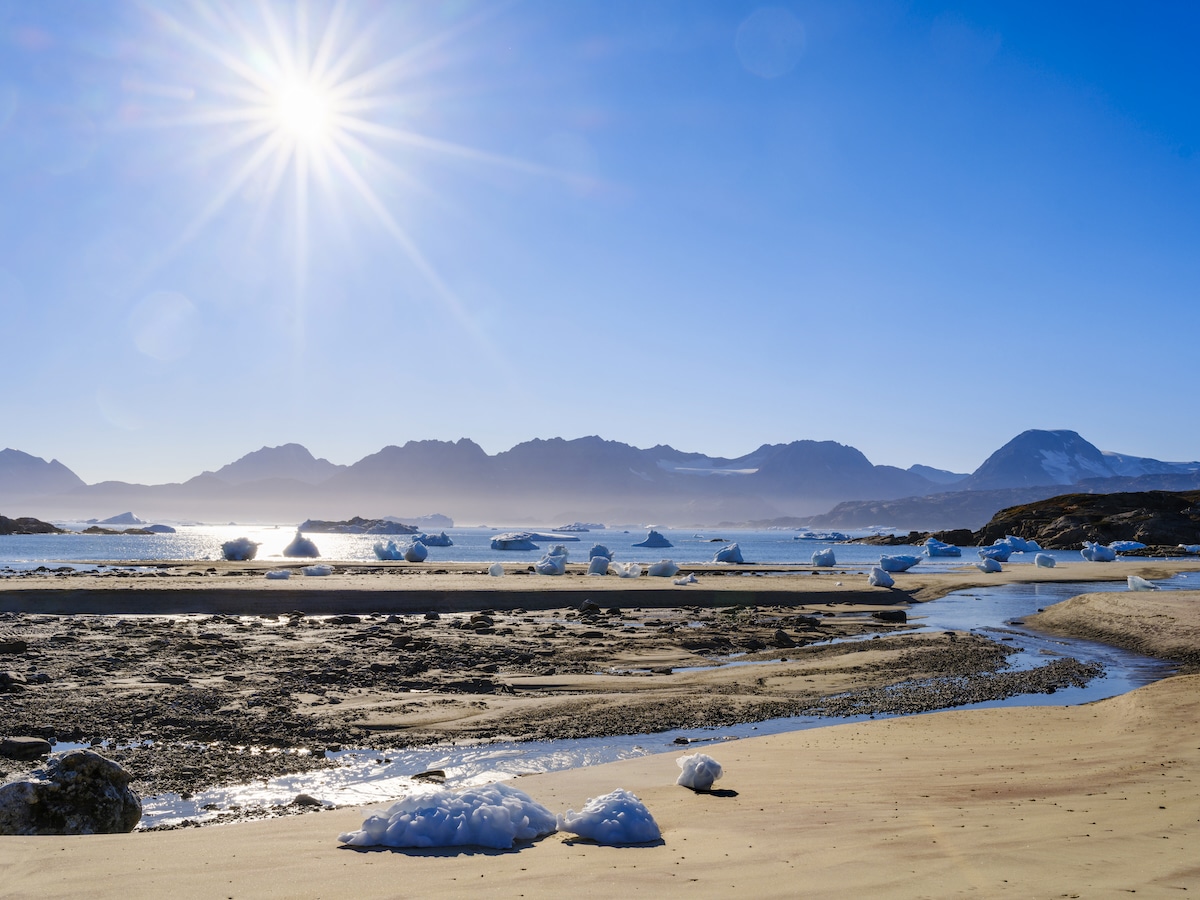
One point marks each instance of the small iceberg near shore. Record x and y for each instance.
(654, 539)
(239, 550)
(1127, 546)
(600, 550)
(514, 540)
(824, 558)
(998, 551)
(901, 563)
(1094, 552)
(598, 565)
(1138, 583)
(553, 563)
(301, 547)
(664, 568)
(880, 578)
(988, 564)
(729, 554)
(415, 552)
(1044, 561)
(435, 540)
(934, 547)
(318, 570)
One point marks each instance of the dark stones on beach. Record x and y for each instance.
(78, 792)
(24, 747)
(13, 647)
(890, 615)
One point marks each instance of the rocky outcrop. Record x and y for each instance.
(27, 525)
(78, 792)
(1065, 522)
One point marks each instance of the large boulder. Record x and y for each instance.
(77, 792)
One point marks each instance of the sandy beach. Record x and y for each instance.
(1097, 800)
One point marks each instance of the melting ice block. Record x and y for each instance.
(416, 552)
(239, 549)
(824, 558)
(616, 818)
(900, 563)
(599, 550)
(1094, 552)
(699, 771)
(1044, 561)
(654, 539)
(731, 553)
(664, 568)
(934, 547)
(988, 564)
(301, 547)
(598, 565)
(1137, 583)
(880, 578)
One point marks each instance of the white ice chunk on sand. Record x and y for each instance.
(1137, 583)
(598, 565)
(664, 568)
(496, 570)
(415, 552)
(689, 578)
(934, 547)
(824, 557)
(1044, 561)
(1093, 552)
(551, 565)
(301, 547)
(988, 564)
(626, 570)
(239, 550)
(279, 574)
(730, 554)
(699, 771)
(654, 539)
(599, 550)
(494, 815)
(616, 818)
(317, 570)
(880, 578)
(898, 563)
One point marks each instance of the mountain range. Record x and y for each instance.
(591, 479)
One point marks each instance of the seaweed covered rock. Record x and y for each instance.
(77, 792)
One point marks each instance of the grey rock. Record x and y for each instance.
(24, 747)
(77, 792)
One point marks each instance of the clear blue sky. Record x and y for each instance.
(916, 228)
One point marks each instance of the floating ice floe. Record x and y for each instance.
(239, 550)
(301, 547)
(318, 570)
(824, 558)
(626, 570)
(689, 578)
(599, 550)
(880, 578)
(1094, 552)
(388, 551)
(598, 565)
(1137, 583)
(999, 551)
(435, 540)
(496, 570)
(934, 547)
(416, 552)
(988, 564)
(654, 539)
(1190, 548)
(1020, 545)
(1127, 546)
(1044, 561)
(729, 554)
(900, 563)
(664, 568)
(699, 771)
(279, 574)
(494, 815)
(616, 818)
(514, 540)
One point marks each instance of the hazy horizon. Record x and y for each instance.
(916, 229)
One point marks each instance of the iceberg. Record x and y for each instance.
(626, 570)
(1127, 546)
(615, 818)
(1094, 552)
(664, 568)
(279, 574)
(415, 552)
(1137, 583)
(551, 564)
(435, 540)
(999, 551)
(514, 540)
(317, 570)
(239, 549)
(898, 563)
(494, 815)
(729, 554)
(1044, 561)
(824, 558)
(388, 551)
(496, 570)
(599, 550)
(1020, 545)
(689, 578)
(598, 565)
(1190, 548)
(302, 547)
(880, 578)
(934, 547)
(988, 564)
(699, 771)
(654, 539)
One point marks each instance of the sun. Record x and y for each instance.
(303, 112)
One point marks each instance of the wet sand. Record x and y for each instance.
(1097, 800)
